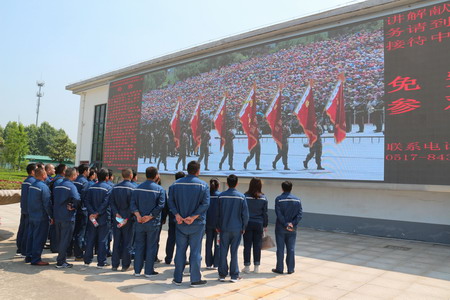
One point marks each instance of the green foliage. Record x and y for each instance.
(61, 147)
(46, 134)
(16, 144)
(11, 180)
(33, 134)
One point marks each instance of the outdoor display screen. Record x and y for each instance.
(367, 101)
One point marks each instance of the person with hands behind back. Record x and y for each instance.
(147, 202)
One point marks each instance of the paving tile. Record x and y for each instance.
(427, 289)
(341, 283)
(358, 296)
(378, 291)
(265, 292)
(323, 292)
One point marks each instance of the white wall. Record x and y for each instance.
(88, 101)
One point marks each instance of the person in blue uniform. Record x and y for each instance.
(232, 220)
(50, 170)
(66, 199)
(288, 208)
(97, 202)
(79, 233)
(120, 201)
(188, 202)
(22, 233)
(40, 217)
(212, 258)
(147, 202)
(170, 243)
(258, 221)
(59, 177)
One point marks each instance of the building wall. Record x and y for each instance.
(88, 101)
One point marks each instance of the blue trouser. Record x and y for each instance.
(211, 239)
(64, 233)
(79, 233)
(229, 239)
(170, 243)
(122, 240)
(100, 235)
(53, 239)
(22, 235)
(145, 246)
(285, 238)
(188, 235)
(37, 236)
(253, 237)
(157, 241)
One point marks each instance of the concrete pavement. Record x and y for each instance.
(328, 266)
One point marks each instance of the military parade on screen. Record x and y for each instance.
(80, 212)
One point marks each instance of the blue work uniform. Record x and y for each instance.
(57, 180)
(22, 233)
(189, 196)
(148, 199)
(232, 220)
(39, 212)
(97, 202)
(65, 195)
(81, 220)
(120, 201)
(212, 259)
(171, 231)
(288, 208)
(258, 220)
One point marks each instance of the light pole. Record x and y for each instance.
(39, 94)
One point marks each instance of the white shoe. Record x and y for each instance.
(236, 279)
(137, 275)
(246, 269)
(256, 270)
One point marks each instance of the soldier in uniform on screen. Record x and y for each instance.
(228, 149)
(360, 111)
(283, 151)
(183, 149)
(255, 152)
(349, 116)
(315, 151)
(163, 149)
(204, 146)
(377, 107)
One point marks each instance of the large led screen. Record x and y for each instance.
(367, 101)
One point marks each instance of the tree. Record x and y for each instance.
(16, 144)
(33, 133)
(61, 148)
(46, 134)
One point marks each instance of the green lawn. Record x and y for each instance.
(11, 180)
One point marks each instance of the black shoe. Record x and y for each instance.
(245, 165)
(206, 169)
(220, 167)
(157, 260)
(291, 272)
(286, 168)
(320, 168)
(198, 283)
(274, 165)
(154, 273)
(276, 271)
(27, 260)
(176, 282)
(167, 262)
(232, 169)
(258, 169)
(305, 164)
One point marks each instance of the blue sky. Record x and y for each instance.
(62, 42)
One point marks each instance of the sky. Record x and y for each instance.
(63, 42)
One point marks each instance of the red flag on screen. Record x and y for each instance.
(220, 121)
(247, 117)
(336, 110)
(196, 125)
(273, 116)
(175, 123)
(306, 114)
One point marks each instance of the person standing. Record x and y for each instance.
(22, 233)
(40, 217)
(204, 148)
(120, 201)
(170, 243)
(81, 219)
(228, 149)
(212, 259)
(50, 170)
(255, 152)
(163, 150)
(147, 202)
(232, 220)
(258, 221)
(97, 202)
(66, 200)
(182, 150)
(188, 202)
(288, 208)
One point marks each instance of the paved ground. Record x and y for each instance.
(328, 266)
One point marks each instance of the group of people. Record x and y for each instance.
(71, 200)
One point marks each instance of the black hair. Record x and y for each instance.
(213, 185)
(82, 168)
(286, 186)
(102, 174)
(151, 172)
(30, 168)
(60, 169)
(179, 174)
(255, 187)
(193, 167)
(69, 172)
(232, 181)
